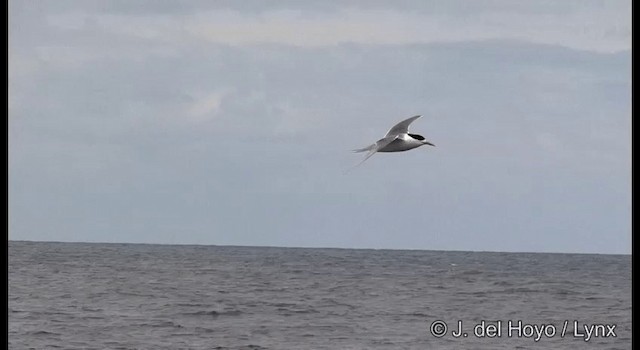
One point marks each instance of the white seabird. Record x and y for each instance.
(397, 139)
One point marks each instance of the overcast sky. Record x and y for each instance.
(231, 123)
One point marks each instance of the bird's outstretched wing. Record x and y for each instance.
(402, 127)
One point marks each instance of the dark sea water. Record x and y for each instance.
(134, 296)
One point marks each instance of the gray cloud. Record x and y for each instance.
(118, 135)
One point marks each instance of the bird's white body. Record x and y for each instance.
(403, 142)
(397, 139)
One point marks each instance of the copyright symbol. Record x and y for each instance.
(438, 328)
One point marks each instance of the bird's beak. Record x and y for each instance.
(428, 143)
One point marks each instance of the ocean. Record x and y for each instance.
(140, 296)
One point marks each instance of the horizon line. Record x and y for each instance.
(314, 247)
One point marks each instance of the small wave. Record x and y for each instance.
(251, 347)
(39, 333)
(167, 324)
(288, 311)
(213, 313)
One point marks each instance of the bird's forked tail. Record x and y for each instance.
(365, 149)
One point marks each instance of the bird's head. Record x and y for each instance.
(421, 139)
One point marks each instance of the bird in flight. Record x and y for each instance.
(397, 139)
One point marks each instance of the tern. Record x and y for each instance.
(397, 139)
